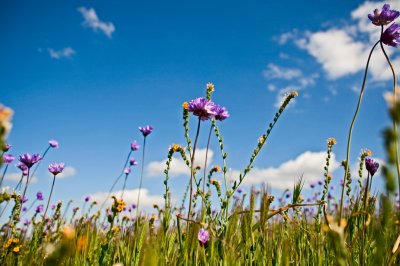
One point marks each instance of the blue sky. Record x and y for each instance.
(89, 73)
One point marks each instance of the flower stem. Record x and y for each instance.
(4, 173)
(205, 162)
(26, 186)
(51, 193)
(141, 179)
(351, 131)
(37, 165)
(123, 188)
(192, 173)
(394, 121)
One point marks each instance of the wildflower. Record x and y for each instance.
(133, 162)
(203, 236)
(175, 147)
(127, 170)
(29, 160)
(39, 195)
(146, 130)
(384, 16)
(371, 165)
(24, 209)
(210, 87)
(202, 108)
(87, 198)
(56, 168)
(134, 146)
(6, 147)
(239, 190)
(261, 140)
(39, 208)
(23, 168)
(26, 222)
(16, 249)
(216, 168)
(53, 143)
(23, 199)
(220, 112)
(118, 205)
(5, 118)
(331, 141)
(8, 158)
(133, 206)
(391, 36)
(185, 105)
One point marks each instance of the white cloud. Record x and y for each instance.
(16, 177)
(287, 36)
(308, 164)
(277, 72)
(344, 51)
(67, 52)
(178, 166)
(67, 172)
(93, 21)
(130, 197)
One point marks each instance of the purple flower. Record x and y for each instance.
(39, 195)
(8, 158)
(371, 165)
(239, 190)
(6, 147)
(127, 170)
(87, 198)
(391, 36)
(23, 200)
(39, 208)
(26, 222)
(133, 162)
(56, 168)
(384, 16)
(203, 236)
(23, 168)
(134, 146)
(53, 143)
(221, 112)
(24, 209)
(287, 195)
(146, 130)
(202, 108)
(53, 206)
(29, 160)
(133, 206)
(312, 185)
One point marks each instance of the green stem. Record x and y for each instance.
(4, 173)
(351, 131)
(205, 163)
(51, 193)
(141, 180)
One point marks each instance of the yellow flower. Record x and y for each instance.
(217, 168)
(8, 243)
(261, 140)
(295, 93)
(115, 229)
(16, 249)
(176, 147)
(185, 105)
(210, 86)
(331, 141)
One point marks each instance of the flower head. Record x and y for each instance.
(384, 16)
(23, 199)
(331, 141)
(391, 36)
(23, 168)
(39, 195)
(56, 168)
(87, 198)
(29, 160)
(210, 87)
(39, 208)
(8, 158)
(220, 112)
(134, 146)
(371, 165)
(185, 105)
(133, 162)
(53, 143)
(146, 130)
(127, 170)
(6, 147)
(203, 236)
(202, 108)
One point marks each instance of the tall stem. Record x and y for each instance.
(26, 185)
(141, 180)
(123, 188)
(192, 174)
(37, 165)
(205, 162)
(51, 193)
(351, 131)
(4, 173)
(396, 143)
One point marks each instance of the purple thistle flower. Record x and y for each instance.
(26, 222)
(39, 195)
(6, 147)
(312, 185)
(202, 108)
(287, 195)
(220, 112)
(384, 16)
(23, 168)
(127, 170)
(391, 36)
(203, 236)
(29, 160)
(146, 130)
(8, 158)
(56, 168)
(371, 165)
(87, 198)
(39, 208)
(239, 190)
(53, 206)
(134, 146)
(53, 143)
(133, 206)
(133, 162)
(24, 209)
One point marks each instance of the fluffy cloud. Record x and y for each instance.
(92, 21)
(178, 166)
(16, 177)
(130, 197)
(67, 52)
(308, 164)
(277, 72)
(67, 172)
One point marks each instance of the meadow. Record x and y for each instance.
(217, 223)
